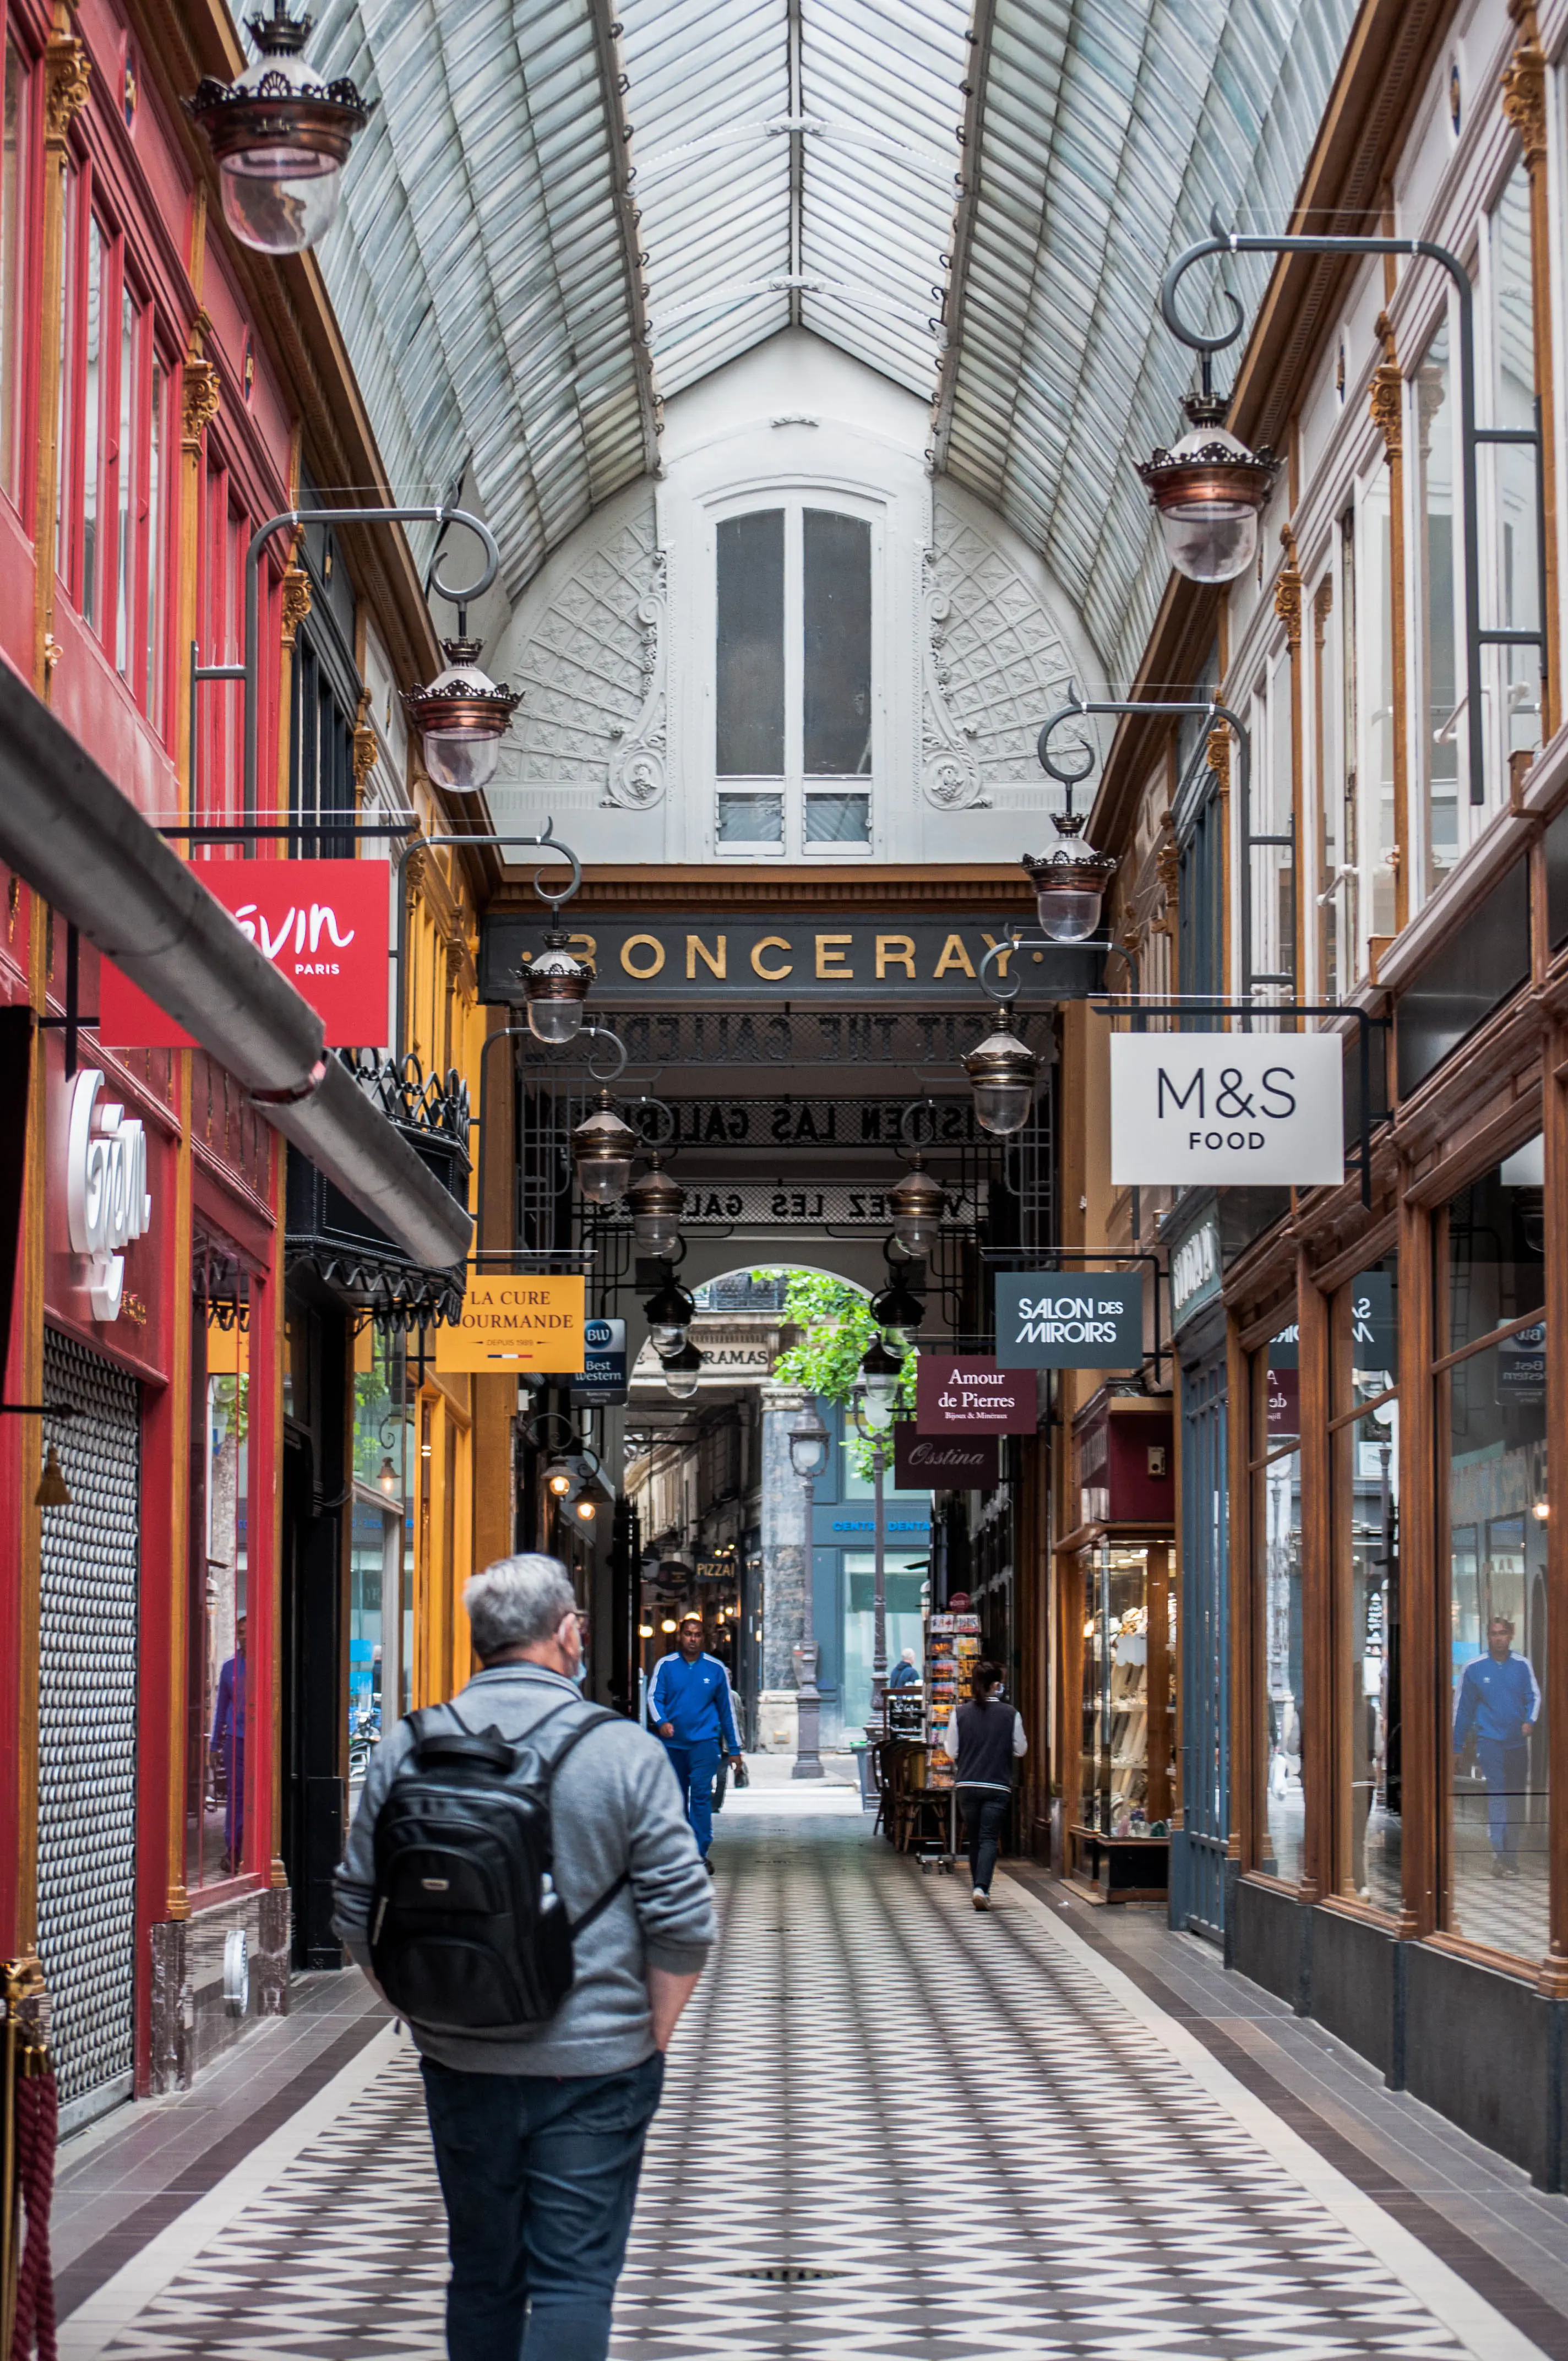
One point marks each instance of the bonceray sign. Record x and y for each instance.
(1226, 1108)
(323, 924)
(516, 1322)
(833, 957)
(1079, 1319)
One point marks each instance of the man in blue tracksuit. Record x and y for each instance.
(689, 1706)
(1497, 1707)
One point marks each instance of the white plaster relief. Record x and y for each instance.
(995, 664)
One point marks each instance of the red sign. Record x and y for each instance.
(945, 1462)
(966, 1393)
(323, 924)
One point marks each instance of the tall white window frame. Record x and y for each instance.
(741, 803)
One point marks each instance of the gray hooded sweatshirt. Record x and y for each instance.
(614, 1807)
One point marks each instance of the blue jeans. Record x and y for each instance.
(1506, 1770)
(697, 1768)
(539, 2173)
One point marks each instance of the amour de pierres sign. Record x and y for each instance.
(1226, 1108)
(1069, 1320)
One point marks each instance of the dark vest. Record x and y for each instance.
(985, 1745)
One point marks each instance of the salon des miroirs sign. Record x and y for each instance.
(832, 957)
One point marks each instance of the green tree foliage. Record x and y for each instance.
(836, 1327)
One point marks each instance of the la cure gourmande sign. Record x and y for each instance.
(513, 1323)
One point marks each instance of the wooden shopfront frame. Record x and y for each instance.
(1163, 1736)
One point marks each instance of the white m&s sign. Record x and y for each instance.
(1226, 1108)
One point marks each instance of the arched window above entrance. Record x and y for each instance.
(794, 739)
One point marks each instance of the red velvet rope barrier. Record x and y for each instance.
(38, 2130)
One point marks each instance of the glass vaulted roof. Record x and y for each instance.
(558, 217)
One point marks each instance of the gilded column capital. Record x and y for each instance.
(203, 396)
(1524, 91)
(1288, 592)
(1218, 754)
(67, 72)
(413, 873)
(1322, 608)
(363, 745)
(296, 607)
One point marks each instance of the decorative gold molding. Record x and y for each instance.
(1288, 591)
(68, 70)
(1219, 752)
(203, 398)
(1524, 88)
(1322, 608)
(1386, 400)
(364, 746)
(296, 607)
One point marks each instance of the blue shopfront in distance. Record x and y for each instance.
(842, 1561)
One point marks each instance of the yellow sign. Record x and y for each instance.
(515, 1321)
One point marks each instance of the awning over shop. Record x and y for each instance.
(75, 838)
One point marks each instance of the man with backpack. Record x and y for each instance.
(520, 1884)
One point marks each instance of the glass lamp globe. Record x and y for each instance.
(681, 1371)
(1002, 1072)
(915, 1204)
(559, 1479)
(655, 1204)
(1069, 884)
(808, 1446)
(1209, 491)
(880, 1374)
(461, 720)
(899, 1313)
(603, 1148)
(280, 138)
(669, 1311)
(555, 986)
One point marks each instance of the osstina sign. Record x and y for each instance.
(1226, 1108)
(513, 1323)
(323, 924)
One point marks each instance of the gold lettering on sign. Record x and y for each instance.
(954, 955)
(890, 948)
(716, 960)
(642, 943)
(585, 945)
(830, 958)
(1001, 957)
(770, 974)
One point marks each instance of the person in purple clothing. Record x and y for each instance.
(689, 1705)
(1497, 1707)
(227, 1744)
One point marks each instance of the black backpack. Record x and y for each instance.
(467, 1933)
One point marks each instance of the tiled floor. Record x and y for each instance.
(894, 2129)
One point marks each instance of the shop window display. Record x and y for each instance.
(905, 1624)
(1491, 1419)
(1365, 1461)
(1127, 1774)
(215, 1708)
(1276, 1478)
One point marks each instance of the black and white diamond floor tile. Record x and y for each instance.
(989, 2146)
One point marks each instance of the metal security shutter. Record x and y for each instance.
(87, 1727)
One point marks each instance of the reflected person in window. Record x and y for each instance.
(1498, 1707)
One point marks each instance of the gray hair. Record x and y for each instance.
(516, 1601)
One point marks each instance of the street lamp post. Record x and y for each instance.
(809, 1444)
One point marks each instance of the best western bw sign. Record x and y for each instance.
(1061, 1320)
(514, 1323)
(1226, 1108)
(833, 957)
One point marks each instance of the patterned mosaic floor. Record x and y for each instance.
(893, 2130)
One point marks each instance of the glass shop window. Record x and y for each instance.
(1276, 1575)
(1364, 1460)
(1438, 736)
(1371, 617)
(1327, 795)
(794, 734)
(15, 175)
(1491, 1437)
(216, 1789)
(1508, 474)
(906, 1589)
(1273, 881)
(1127, 1775)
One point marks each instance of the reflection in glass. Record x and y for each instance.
(1279, 1539)
(11, 184)
(1492, 1411)
(90, 448)
(905, 1588)
(835, 556)
(1366, 1494)
(1513, 344)
(215, 1774)
(1127, 1783)
(751, 820)
(749, 667)
(1438, 745)
(837, 820)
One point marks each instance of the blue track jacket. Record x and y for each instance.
(695, 1699)
(1496, 1700)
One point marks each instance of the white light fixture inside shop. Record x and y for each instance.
(280, 138)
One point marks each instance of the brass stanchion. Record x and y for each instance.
(29, 2115)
